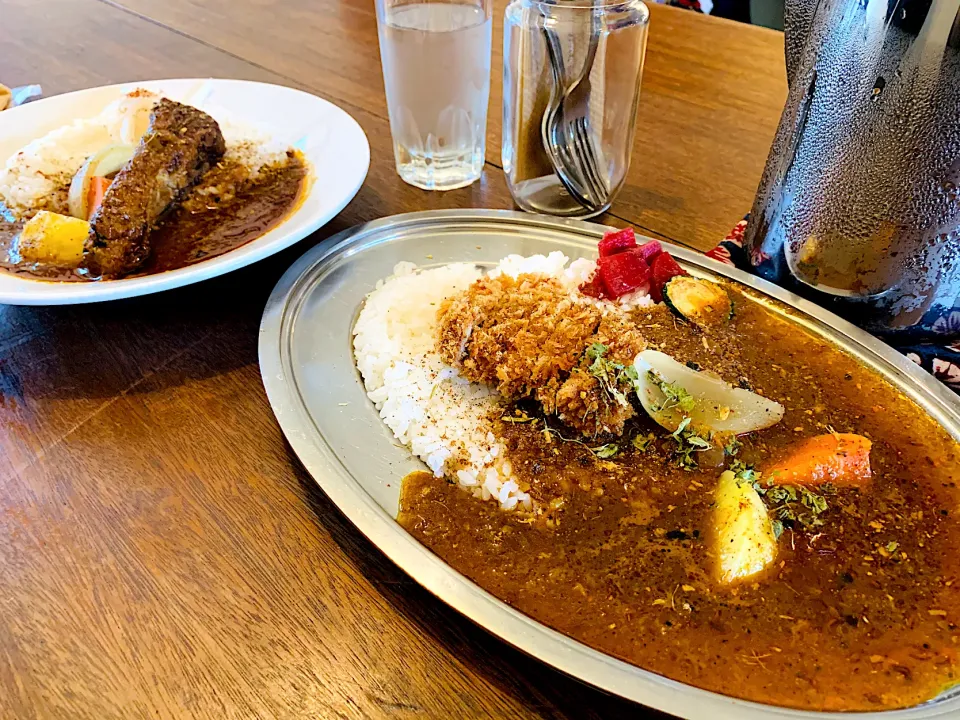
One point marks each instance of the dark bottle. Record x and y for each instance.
(859, 206)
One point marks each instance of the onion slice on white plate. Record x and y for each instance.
(670, 391)
(136, 111)
(104, 162)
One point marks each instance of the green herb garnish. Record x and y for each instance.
(688, 443)
(676, 396)
(732, 447)
(791, 505)
(596, 351)
(606, 451)
(747, 473)
(817, 504)
(609, 373)
(603, 451)
(642, 443)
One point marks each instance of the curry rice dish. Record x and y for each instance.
(148, 185)
(666, 470)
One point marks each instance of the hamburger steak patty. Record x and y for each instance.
(180, 145)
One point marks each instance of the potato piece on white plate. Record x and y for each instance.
(746, 543)
(53, 239)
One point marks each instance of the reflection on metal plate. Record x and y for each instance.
(306, 361)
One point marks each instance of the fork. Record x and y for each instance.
(560, 161)
(575, 112)
(586, 151)
(566, 129)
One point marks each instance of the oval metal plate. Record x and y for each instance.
(306, 361)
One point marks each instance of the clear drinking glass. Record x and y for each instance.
(607, 100)
(436, 69)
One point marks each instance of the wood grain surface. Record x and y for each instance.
(162, 552)
(711, 95)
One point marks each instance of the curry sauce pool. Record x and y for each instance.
(859, 611)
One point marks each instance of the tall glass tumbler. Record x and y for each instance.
(587, 55)
(436, 69)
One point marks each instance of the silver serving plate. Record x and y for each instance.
(306, 360)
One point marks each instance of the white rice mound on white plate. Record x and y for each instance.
(37, 177)
(444, 419)
(248, 145)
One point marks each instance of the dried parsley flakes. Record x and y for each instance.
(792, 506)
(675, 395)
(610, 374)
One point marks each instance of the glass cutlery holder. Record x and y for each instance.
(606, 98)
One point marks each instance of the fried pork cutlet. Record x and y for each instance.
(528, 337)
(593, 398)
(180, 145)
(516, 334)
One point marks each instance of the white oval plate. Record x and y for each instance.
(332, 142)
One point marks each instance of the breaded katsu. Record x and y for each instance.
(593, 397)
(515, 334)
(531, 339)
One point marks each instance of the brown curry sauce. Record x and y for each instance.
(860, 614)
(195, 230)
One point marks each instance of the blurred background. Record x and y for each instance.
(768, 13)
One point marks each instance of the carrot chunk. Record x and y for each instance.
(841, 458)
(95, 192)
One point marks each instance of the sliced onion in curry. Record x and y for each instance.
(105, 162)
(670, 392)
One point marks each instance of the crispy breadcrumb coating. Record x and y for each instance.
(581, 401)
(529, 337)
(515, 334)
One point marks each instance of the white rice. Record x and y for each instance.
(37, 177)
(248, 145)
(444, 419)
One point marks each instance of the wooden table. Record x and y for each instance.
(162, 552)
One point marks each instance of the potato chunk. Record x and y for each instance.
(744, 534)
(53, 239)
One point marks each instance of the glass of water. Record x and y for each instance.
(436, 69)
